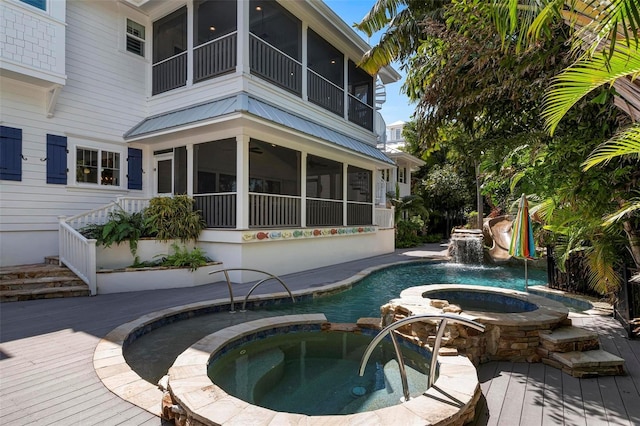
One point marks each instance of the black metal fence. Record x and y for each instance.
(575, 278)
(627, 306)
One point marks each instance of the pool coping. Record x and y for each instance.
(451, 396)
(549, 311)
(117, 376)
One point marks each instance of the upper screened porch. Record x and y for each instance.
(285, 47)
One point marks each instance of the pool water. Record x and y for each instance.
(305, 365)
(363, 300)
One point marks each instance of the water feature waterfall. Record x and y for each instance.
(466, 246)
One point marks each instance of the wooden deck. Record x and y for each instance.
(47, 375)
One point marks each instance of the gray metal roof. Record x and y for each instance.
(245, 103)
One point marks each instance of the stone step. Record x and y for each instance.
(569, 339)
(40, 282)
(589, 363)
(44, 293)
(51, 260)
(34, 271)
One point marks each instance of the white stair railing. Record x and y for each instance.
(76, 251)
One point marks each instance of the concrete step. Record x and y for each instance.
(40, 282)
(569, 339)
(51, 260)
(44, 293)
(589, 363)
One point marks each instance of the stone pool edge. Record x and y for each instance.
(117, 376)
(449, 401)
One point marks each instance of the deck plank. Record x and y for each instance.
(498, 391)
(573, 407)
(533, 403)
(553, 411)
(613, 405)
(511, 412)
(592, 400)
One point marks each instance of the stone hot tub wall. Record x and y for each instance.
(507, 336)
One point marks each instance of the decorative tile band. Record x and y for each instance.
(306, 233)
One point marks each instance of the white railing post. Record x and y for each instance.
(91, 267)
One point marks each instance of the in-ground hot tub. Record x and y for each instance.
(479, 300)
(513, 319)
(373, 400)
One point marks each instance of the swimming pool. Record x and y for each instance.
(363, 300)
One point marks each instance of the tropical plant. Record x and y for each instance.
(607, 42)
(183, 257)
(401, 21)
(120, 227)
(175, 218)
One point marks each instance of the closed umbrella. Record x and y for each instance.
(522, 245)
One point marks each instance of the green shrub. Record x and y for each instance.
(120, 227)
(183, 257)
(407, 234)
(174, 218)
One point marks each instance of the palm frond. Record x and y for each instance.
(581, 78)
(543, 211)
(603, 277)
(627, 208)
(379, 16)
(626, 142)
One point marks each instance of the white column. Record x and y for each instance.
(243, 64)
(189, 43)
(346, 88)
(305, 74)
(345, 168)
(242, 181)
(190, 174)
(303, 189)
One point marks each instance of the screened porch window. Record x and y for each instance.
(326, 74)
(359, 188)
(214, 182)
(170, 51)
(360, 97)
(324, 192)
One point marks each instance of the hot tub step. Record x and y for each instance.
(569, 339)
(589, 363)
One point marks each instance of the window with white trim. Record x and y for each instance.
(40, 4)
(94, 166)
(135, 37)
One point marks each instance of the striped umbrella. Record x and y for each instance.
(522, 245)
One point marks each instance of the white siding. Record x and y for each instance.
(104, 96)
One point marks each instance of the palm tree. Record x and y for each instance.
(400, 20)
(605, 38)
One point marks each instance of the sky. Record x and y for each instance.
(397, 106)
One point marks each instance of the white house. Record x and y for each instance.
(256, 109)
(393, 146)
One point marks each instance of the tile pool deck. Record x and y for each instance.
(47, 374)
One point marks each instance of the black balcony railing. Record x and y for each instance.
(215, 57)
(275, 66)
(218, 210)
(324, 212)
(324, 93)
(359, 213)
(360, 113)
(170, 73)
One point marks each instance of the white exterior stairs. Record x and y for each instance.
(40, 281)
(577, 352)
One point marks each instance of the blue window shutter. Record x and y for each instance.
(10, 153)
(56, 159)
(134, 168)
